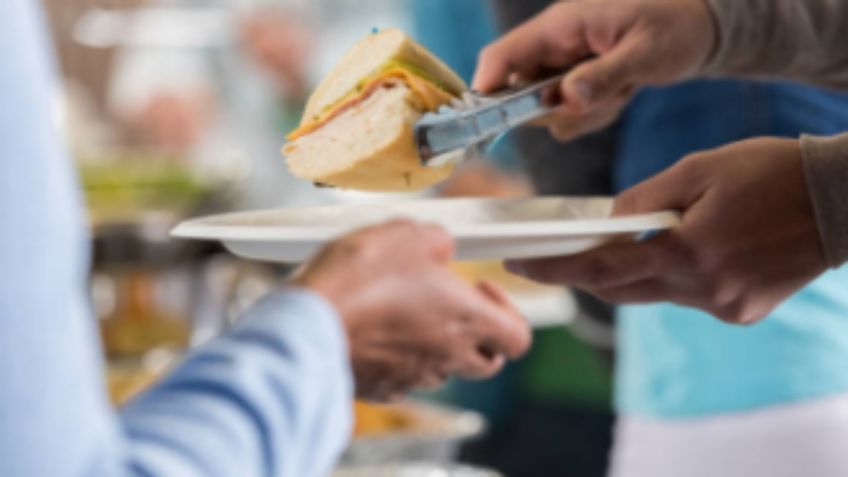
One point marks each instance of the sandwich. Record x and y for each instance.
(357, 127)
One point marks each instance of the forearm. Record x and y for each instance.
(826, 168)
(271, 398)
(792, 39)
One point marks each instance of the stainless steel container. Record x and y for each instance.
(441, 430)
(418, 469)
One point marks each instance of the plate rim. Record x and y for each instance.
(198, 228)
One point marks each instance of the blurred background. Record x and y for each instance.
(176, 108)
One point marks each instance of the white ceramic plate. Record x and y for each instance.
(483, 228)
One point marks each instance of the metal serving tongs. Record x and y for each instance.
(465, 127)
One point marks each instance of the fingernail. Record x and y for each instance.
(584, 93)
(515, 267)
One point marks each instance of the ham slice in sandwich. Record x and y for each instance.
(356, 131)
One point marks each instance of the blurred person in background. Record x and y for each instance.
(272, 397)
(224, 97)
(86, 71)
(698, 396)
(217, 97)
(230, 103)
(169, 93)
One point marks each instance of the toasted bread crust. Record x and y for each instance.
(395, 46)
(367, 142)
(393, 165)
(394, 168)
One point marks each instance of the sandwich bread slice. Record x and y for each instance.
(357, 127)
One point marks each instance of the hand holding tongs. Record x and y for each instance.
(446, 135)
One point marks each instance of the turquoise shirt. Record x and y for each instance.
(676, 362)
(679, 362)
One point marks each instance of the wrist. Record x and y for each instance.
(825, 161)
(333, 294)
(712, 32)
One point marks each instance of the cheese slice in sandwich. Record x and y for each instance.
(357, 128)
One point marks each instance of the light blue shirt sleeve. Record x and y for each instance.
(271, 398)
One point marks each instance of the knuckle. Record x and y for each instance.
(488, 369)
(741, 312)
(482, 372)
(431, 383)
(722, 294)
(752, 312)
(401, 223)
(489, 54)
(404, 221)
(722, 283)
(556, 8)
(686, 255)
(558, 48)
(599, 271)
(602, 118)
(600, 78)
(726, 314)
(396, 231)
(540, 272)
(523, 340)
(708, 263)
(657, 259)
(528, 340)
(493, 370)
(625, 94)
(561, 132)
(627, 202)
(720, 286)
(439, 237)
(695, 167)
(352, 246)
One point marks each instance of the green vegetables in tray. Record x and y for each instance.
(129, 185)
